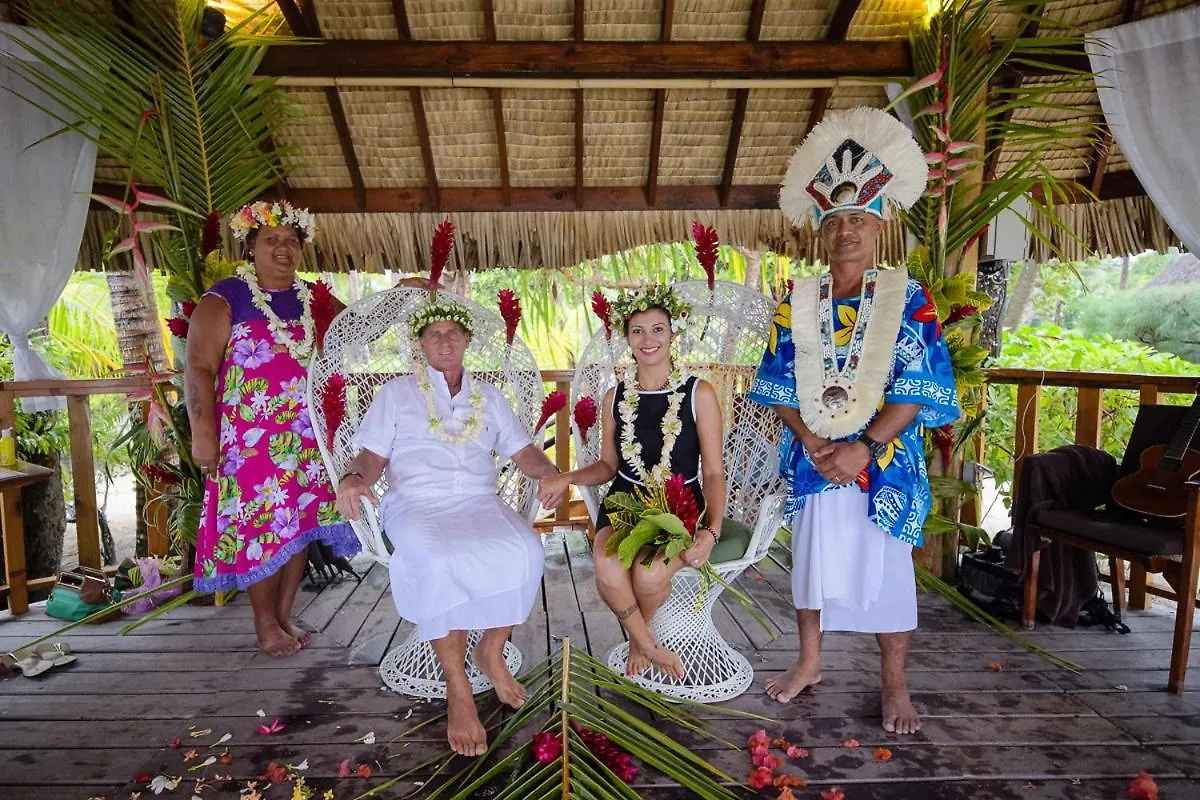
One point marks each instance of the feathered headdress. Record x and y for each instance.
(855, 160)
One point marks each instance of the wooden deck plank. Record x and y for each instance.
(353, 613)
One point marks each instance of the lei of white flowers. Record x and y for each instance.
(470, 428)
(631, 448)
(279, 329)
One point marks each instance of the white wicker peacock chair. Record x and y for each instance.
(723, 343)
(368, 345)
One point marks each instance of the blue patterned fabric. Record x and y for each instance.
(897, 483)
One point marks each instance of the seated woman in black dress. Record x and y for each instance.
(659, 423)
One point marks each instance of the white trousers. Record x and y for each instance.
(859, 577)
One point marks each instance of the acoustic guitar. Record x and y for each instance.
(1156, 489)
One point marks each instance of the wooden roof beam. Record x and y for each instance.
(1131, 11)
(497, 97)
(401, 15)
(350, 60)
(420, 123)
(660, 104)
(740, 98)
(1116, 186)
(839, 27)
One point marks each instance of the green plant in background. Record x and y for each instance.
(1165, 318)
(1052, 348)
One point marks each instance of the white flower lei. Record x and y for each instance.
(279, 329)
(631, 448)
(470, 428)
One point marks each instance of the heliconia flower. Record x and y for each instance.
(510, 311)
(928, 81)
(960, 163)
(936, 174)
(935, 191)
(123, 246)
(706, 250)
(324, 309)
(960, 146)
(157, 200)
(932, 108)
(546, 746)
(112, 203)
(443, 244)
(941, 133)
(602, 309)
(179, 327)
(333, 405)
(585, 413)
(943, 439)
(935, 158)
(148, 115)
(551, 405)
(210, 238)
(943, 220)
(188, 308)
(150, 226)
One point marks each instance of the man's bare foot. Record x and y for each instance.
(791, 683)
(637, 662)
(464, 731)
(899, 715)
(666, 662)
(508, 689)
(302, 637)
(275, 641)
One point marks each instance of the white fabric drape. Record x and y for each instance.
(1148, 79)
(42, 214)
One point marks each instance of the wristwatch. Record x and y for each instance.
(878, 449)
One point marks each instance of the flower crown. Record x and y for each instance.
(264, 214)
(654, 296)
(434, 311)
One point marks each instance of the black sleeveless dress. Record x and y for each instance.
(647, 425)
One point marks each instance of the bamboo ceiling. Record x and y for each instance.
(557, 130)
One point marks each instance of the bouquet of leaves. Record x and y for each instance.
(660, 519)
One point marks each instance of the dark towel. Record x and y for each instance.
(1076, 478)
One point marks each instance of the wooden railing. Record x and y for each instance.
(1089, 413)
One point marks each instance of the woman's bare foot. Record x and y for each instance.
(464, 731)
(637, 662)
(899, 715)
(666, 662)
(274, 640)
(791, 683)
(302, 637)
(508, 689)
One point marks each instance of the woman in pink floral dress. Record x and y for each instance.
(267, 495)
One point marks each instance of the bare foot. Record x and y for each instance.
(899, 715)
(508, 689)
(302, 637)
(637, 662)
(464, 731)
(791, 683)
(275, 641)
(666, 662)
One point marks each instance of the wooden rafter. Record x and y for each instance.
(839, 27)
(1010, 83)
(375, 59)
(305, 23)
(497, 96)
(401, 15)
(578, 34)
(417, 101)
(660, 103)
(740, 98)
(1131, 11)
(1116, 186)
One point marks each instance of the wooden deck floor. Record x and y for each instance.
(1028, 731)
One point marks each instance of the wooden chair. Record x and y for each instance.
(1172, 551)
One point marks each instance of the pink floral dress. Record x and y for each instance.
(272, 496)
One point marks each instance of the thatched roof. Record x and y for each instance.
(555, 130)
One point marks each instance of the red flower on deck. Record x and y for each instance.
(551, 405)
(510, 311)
(585, 413)
(760, 778)
(333, 406)
(324, 309)
(1143, 787)
(682, 503)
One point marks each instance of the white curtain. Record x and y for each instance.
(42, 214)
(1148, 78)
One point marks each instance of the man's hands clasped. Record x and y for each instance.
(840, 462)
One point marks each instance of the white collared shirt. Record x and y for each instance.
(396, 427)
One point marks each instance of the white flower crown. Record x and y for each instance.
(654, 296)
(433, 312)
(264, 214)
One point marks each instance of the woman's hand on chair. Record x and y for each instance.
(552, 490)
(701, 549)
(350, 492)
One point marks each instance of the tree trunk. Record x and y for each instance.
(135, 316)
(1022, 295)
(44, 514)
(1125, 273)
(753, 268)
(141, 542)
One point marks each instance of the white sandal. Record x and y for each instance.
(57, 653)
(30, 663)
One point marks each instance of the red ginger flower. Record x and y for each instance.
(682, 503)
(510, 310)
(210, 239)
(179, 327)
(601, 309)
(706, 250)
(443, 244)
(546, 746)
(189, 308)
(324, 309)
(959, 313)
(551, 405)
(333, 406)
(585, 413)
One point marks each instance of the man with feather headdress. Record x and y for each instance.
(856, 367)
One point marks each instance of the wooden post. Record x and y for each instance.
(1139, 598)
(1029, 397)
(83, 477)
(1150, 395)
(158, 543)
(1089, 413)
(8, 410)
(13, 532)
(562, 447)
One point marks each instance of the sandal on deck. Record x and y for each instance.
(8, 666)
(30, 663)
(57, 653)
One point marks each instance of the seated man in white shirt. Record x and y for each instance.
(463, 559)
